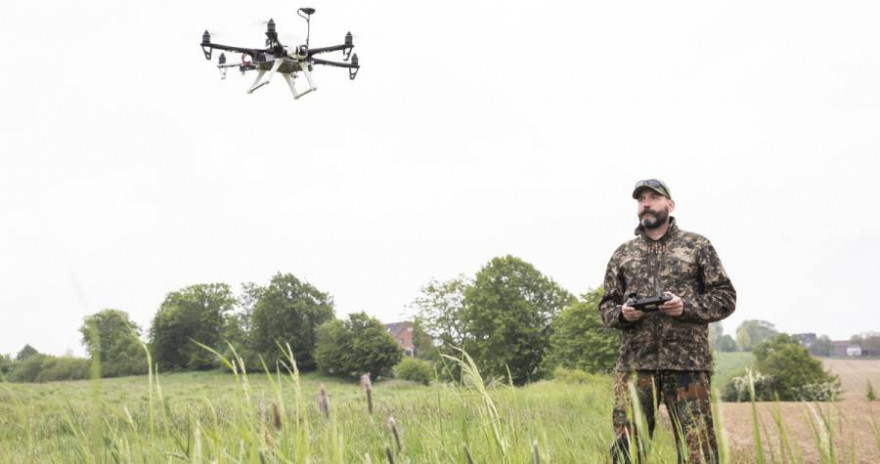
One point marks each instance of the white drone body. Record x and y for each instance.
(279, 59)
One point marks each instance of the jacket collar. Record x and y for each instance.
(672, 231)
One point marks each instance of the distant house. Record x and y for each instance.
(403, 333)
(842, 348)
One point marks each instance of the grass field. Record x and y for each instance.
(217, 417)
(210, 417)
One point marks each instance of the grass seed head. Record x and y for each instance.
(366, 385)
(323, 405)
(276, 416)
(392, 425)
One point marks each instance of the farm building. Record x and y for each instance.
(403, 334)
(845, 348)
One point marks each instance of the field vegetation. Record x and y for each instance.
(537, 389)
(215, 416)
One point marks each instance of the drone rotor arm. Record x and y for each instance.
(249, 51)
(333, 63)
(315, 51)
(352, 67)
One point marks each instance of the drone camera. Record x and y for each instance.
(206, 41)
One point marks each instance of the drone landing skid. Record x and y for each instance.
(288, 77)
(296, 95)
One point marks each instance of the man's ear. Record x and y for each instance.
(671, 205)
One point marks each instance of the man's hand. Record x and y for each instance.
(673, 307)
(631, 314)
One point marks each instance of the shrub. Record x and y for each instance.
(6, 364)
(355, 346)
(785, 370)
(737, 388)
(573, 376)
(870, 394)
(112, 337)
(580, 340)
(28, 369)
(415, 370)
(43, 368)
(65, 368)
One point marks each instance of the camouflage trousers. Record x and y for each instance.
(686, 396)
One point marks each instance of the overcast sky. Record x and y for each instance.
(128, 169)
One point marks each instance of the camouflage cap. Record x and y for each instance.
(654, 184)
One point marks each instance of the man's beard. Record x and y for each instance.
(650, 219)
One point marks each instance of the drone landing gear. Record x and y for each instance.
(257, 84)
(290, 77)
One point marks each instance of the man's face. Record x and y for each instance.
(654, 209)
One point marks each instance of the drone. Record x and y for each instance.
(283, 60)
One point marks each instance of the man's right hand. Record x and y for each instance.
(631, 314)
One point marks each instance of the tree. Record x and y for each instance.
(726, 344)
(580, 340)
(26, 352)
(424, 344)
(795, 375)
(195, 313)
(6, 365)
(113, 338)
(441, 310)
(358, 345)
(439, 326)
(752, 332)
(507, 316)
(289, 311)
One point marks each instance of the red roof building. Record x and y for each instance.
(403, 334)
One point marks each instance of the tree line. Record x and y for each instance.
(252, 327)
(514, 321)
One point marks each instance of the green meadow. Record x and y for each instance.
(276, 418)
(234, 417)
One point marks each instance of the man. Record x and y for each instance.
(664, 353)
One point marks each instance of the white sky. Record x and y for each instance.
(474, 129)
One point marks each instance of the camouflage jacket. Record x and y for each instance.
(680, 262)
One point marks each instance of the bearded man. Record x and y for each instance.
(664, 351)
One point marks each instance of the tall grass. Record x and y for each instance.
(276, 417)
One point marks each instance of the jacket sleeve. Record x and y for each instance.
(718, 297)
(613, 296)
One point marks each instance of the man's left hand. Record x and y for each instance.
(673, 307)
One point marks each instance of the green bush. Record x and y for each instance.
(415, 370)
(112, 337)
(580, 340)
(43, 368)
(573, 376)
(788, 373)
(65, 368)
(28, 369)
(737, 388)
(356, 346)
(6, 364)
